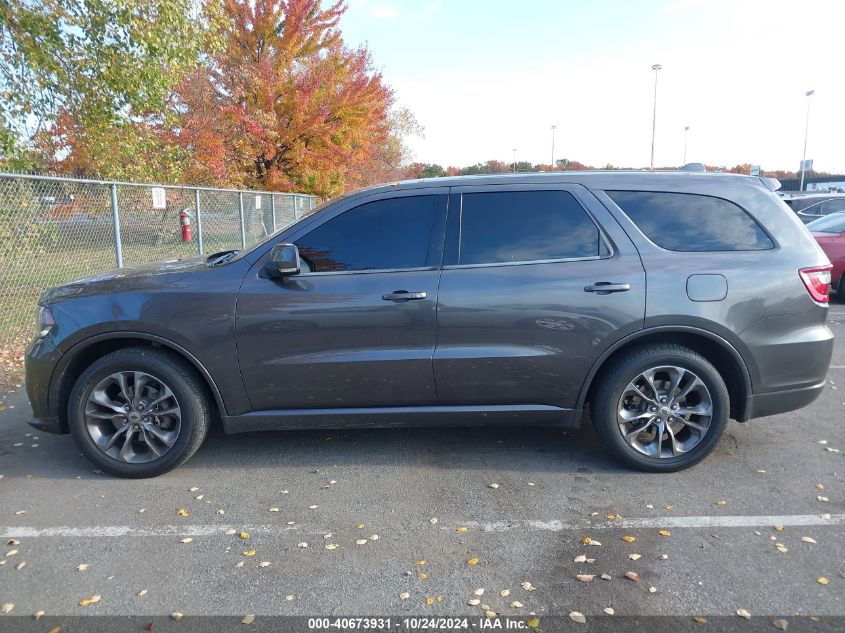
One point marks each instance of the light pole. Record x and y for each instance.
(554, 127)
(514, 160)
(808, 94)
(686, 131)
(655, 68)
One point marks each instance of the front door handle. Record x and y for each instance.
(605, 288)
(404, 295)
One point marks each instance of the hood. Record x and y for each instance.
(128, 278)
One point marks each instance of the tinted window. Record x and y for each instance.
(689, 222)
(393, 233)
(832, 206)
(516, 226)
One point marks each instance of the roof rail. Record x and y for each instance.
(693, 167)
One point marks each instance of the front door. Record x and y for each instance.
(532, 292)
(356, 328)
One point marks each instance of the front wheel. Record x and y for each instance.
(138, 412)
(661, 408)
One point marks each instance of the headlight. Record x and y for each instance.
(45, 322)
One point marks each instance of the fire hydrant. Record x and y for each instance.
(185, 221)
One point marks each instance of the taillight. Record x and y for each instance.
(817, 281)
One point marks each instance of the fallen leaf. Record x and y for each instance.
(273, 510)
(585, 577)
(220, 511)
(808, 539)
(780, 528)
(743, 613)
(38, 615)
(187, 539)
(327, 535)
(820, 486)
(13, 542)
(361, 541)
(783, 549)
(20, 512)
(89, 601)
(182, 512)
(721, 503)
(290, 597)
(248, 619)
(11, 552)
(822, 498)
(7, 608)
(652, 589)
(193, 489)
(176, 616)
(613, 517)
(577, 616)
(199, 497)
(664, 557)
(634, 556)
(422, 575)
(822, 580)
(82, 567)
(142, 593)
(360, 526)
(505, 593)
(473, 602)
(331, 546)
(249, 552)
(669, 507)
(665, 533)
(479, 591)
(55, 629)
(404, 595)
(586, 540)
(231, 531)
(433, 520)
(493, 485)
(301, 544)
(516, 604)
(527, 586)
(462, 529)
(605, 577)
(429, 601)
(581, 558)
(490, 614)
(20, 565)
(420, 563)
(264, 563)
(244, 535)
(472, 561)
(374, 537)
(632, 575)
(533, 623)
(781, 624)
(699, 619)
(313, 507)
(629, 539)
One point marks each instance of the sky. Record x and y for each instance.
(485, 77)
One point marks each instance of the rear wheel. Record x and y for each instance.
(138, 412)
(661, 408)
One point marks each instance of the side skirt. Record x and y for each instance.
(388, 417)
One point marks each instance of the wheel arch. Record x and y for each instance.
(724, 356)
(85, 352)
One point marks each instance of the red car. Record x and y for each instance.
(829, 232)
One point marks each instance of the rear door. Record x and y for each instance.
(538, 280)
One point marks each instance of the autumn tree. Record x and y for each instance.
(80, 78)
(285, 104)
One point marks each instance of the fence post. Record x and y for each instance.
(295, 207)
(199, 220)
(243, 226)
(115, 220)
(273, 209)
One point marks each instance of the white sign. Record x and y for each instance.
(755, 170)
(159, 198)
(807, 165)
(258, 203)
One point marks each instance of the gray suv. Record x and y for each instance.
(663, 303)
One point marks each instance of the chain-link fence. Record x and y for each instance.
(54, 230)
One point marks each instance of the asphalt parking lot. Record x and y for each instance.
(417, 528)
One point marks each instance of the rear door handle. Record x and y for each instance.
(605, 288)
(404, 295)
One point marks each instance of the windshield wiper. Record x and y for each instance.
(221, 257)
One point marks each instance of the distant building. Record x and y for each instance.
(834, 184)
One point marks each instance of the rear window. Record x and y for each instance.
(691, 222)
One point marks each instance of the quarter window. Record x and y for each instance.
(692, 222)
(518, 226)
(402, 232)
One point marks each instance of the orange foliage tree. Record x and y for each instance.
(284, 105)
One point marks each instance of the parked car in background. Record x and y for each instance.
(829, 232)
(812, 206)
(667, 303)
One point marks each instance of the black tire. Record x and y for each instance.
(605, 403)
(181, 378)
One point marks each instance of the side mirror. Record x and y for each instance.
(284, 261)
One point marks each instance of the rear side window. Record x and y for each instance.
(519, 226)
(402, 232)
(691, 222)
(833, 206)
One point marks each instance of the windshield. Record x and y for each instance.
(833, 223)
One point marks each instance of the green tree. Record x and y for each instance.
(102, 66)
(433, 170)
